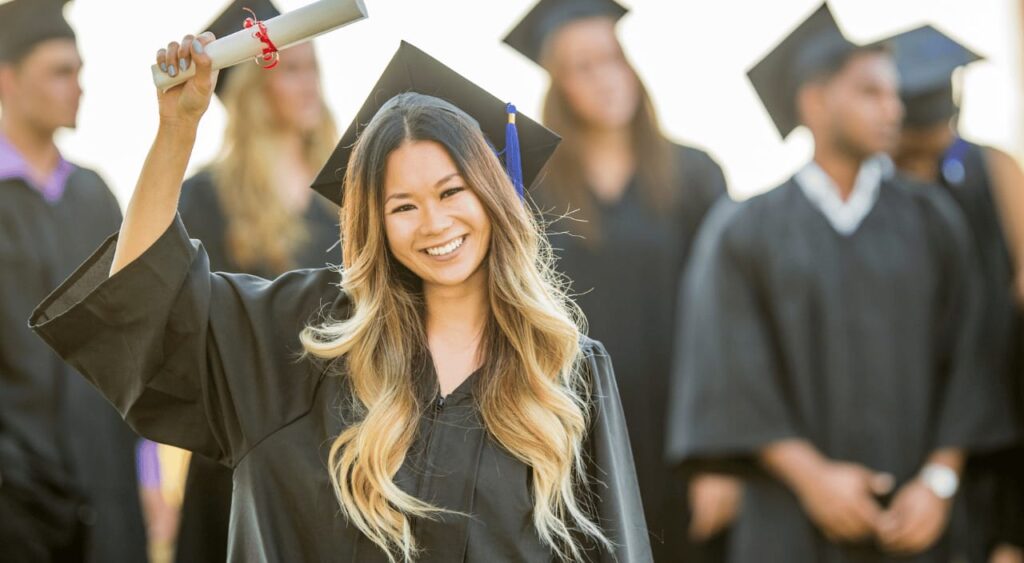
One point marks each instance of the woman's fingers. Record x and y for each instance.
(185, 53)
(161, 59)
(177, 57)
(206, 37)
(204, 77)
(172, 58)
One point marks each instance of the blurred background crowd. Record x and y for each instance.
(798, 228)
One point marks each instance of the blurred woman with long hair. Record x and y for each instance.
(634, 201)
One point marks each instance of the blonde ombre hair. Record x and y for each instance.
(532, 394)
(262, 230)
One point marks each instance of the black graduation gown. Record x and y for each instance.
(209, 362)
(995, 496)
(67, 466)
(206, 509)
(865, 345)
(627, 287)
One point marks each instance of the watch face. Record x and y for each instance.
(945, 485)
(941, 480)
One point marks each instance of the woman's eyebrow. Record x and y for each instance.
(445, 179)
(401, 195)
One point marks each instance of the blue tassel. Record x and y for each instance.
(513, 160)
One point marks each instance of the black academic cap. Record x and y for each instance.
(412, 70)
(533, 30)
(926, 59)
(815, 45)
(26, 23)
(232, 19)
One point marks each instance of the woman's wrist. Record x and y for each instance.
(178, 129)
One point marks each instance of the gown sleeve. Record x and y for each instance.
(713, 185)
(727, 398)
(612, 476)
(206, 362)
(973, 412)
(703, 185)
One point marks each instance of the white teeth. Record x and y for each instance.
(446, 249)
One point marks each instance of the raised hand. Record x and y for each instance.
(186, 103)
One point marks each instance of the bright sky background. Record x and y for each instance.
(691, 55)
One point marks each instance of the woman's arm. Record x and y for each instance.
(202, 361)
(1008, 184)
(155, 200)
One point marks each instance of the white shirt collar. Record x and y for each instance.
(845, 216)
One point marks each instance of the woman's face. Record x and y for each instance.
(436, 225)
(293, 88)
(588, 65)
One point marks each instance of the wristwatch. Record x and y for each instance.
(940, 480)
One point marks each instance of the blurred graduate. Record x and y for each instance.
(831, 346)
(988, 186)
(635, 201)
(68, 488)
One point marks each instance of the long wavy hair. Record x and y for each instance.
(657, 168)
(263, 232)
(532, 394)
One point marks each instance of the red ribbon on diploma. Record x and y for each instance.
(270, 56)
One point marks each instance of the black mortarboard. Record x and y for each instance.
(815, 45)
(533, 30)
(926, 59)
(26, 23)
(412, 70)
(232, 19)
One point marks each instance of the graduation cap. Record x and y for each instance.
(547, 16)
(926, 59)
(526, 145)
(26, 23)
(814, 46)
(232, 19)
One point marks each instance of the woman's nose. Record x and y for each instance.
(435, 220)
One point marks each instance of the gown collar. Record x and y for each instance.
(845, 216)
(13, 165)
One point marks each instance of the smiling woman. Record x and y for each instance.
(438, 228)
(445, 384)
(472, 299)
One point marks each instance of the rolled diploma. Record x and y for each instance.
(284, 30)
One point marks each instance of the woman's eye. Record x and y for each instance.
(451, 191)
(402, 208)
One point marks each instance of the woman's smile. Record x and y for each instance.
(447, 251)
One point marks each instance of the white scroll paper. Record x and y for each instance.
(284, 30)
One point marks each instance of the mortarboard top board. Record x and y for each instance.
(546, 16)
(815, 45)
(412, 70)
(926, 59)
(232, 19)
(26, 23)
